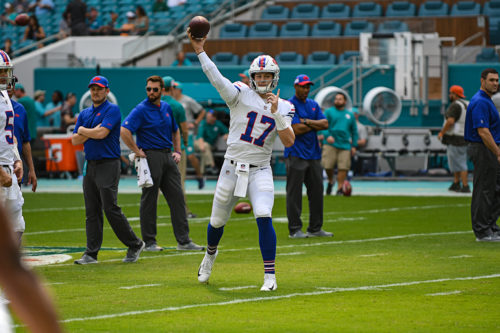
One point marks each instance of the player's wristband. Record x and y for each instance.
(178, 152)
(280, 122)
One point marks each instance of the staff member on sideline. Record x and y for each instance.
(157, 133)
(482, 130)
(303, 163)
(98, 128)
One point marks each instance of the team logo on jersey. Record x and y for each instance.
(17, 115)
(348, 116)
(99, 114)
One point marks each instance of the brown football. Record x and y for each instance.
(199, 27)
(243, 208)
(22, 19)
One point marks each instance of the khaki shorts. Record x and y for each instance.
(332, 156)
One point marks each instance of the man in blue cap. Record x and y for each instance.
(303, 163)
(98, 128)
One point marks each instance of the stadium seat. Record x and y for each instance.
(289, 58)
(492, 10)
(392, 26)
(193, 57)
(354, 28)
(277, 12)
(346, 57)
(294, 29)
(305, 11)
(326, 29)
(247, 59)
(263, 30)
(401, 9)
(233, 30)
(367, 9)
(433, 8)
(321, 58)
(465, 8)
(487, 54)
(225, 59)
(336, 10)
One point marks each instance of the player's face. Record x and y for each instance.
(302, 91)
(490, 84)
(153, 90)
(98, 94)
(4, 73)
(263, 79)
(339, 101)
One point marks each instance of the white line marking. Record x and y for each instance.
(53, 283)
(462, 256)
(445, 293)
(290, 254)
(373, 255)
(271, 298)
(237, 288)
(141, 286)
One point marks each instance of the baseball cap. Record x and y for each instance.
(355, 110)
(19, 86)
(8, 5)
(169, 82)
(244, 74)
(302, 79)
(99, 80)
(459, 91)
(130, 14)
(178, 85)
(39, 93)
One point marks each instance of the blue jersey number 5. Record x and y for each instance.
(9, 127)
(247, 136)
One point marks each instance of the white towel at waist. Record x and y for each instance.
(142, 168)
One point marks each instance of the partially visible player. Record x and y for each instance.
(257, 117)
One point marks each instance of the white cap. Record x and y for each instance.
(130, 14)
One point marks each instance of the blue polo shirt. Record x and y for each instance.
(481, 112)
(152, 124)
(306, 145)
(21, 131)
(109, 116)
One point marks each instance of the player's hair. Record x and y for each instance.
(156, 78)
(487, 71)
(341, 93)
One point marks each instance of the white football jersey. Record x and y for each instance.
(252, 129)
(6, 130)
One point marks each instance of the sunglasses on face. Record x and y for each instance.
(155, 89)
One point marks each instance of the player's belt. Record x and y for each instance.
(251, 165)
(161, 150)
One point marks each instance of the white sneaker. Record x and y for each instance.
(269, 283)
(206, 267)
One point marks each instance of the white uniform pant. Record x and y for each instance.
(260, 191)
(13, 200)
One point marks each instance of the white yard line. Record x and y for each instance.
(445, 293)
(373, 255)
(278, 297)
(141, 286)
(237, 288)
(290, 254)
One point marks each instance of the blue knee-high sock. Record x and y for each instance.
(267, 242)
(213, 237)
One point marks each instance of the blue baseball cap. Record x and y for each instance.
(302, 79)
(99, 80)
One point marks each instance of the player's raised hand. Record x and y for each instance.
(196, 43)
(273, 100)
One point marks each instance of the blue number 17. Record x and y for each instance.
(247, 136)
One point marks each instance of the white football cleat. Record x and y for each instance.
(206, 267)
(269, 283)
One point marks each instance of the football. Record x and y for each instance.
(199, 27)
(22, 19)
(347, 188)
(243, 208)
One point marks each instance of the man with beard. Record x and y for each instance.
(340, 142)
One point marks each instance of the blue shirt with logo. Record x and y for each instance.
(107, 115)
(481, 112)
(21, 131)
(306, 145)
(153, 125)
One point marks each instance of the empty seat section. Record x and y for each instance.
(433, 8)
(294, 29)
(225, 59)
(354, 28)
(263, 30)
(249, 57)
(392, 26)
(289, 58)
(305, 11)
(492, 10)
(401, 9)
(321, 58)
(233, 30)
(277, 12)
(487, 54)
(346, 57)
(326, 29)
(193, 57)
(367, 9)
(336, 10)
(465, 8)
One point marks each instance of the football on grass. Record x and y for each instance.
(243, 208)
(199, 27)
(347, 188)
(22, 19)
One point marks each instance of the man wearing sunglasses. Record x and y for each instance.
(158, 140)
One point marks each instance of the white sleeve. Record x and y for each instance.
(226, 89)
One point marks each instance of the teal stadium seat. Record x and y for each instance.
(401, 9)
(233, 30)
(305, 11)
(225, 59)
(465, 8)
(263, 30)
(392, 26)
(346, 57)
(492, 10)
(326, 29)
(433, 8)
(354, 28)
(193, 57)
(247, 59)
(367, 9)
(336, 10)
(487, 54)
(277, 12)
(321, 58)
(289, 58)
(294, 29)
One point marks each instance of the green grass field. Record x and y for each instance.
(395, 264)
